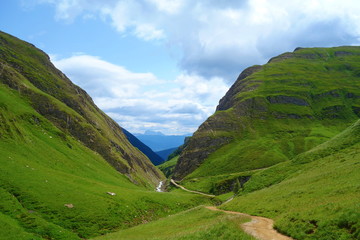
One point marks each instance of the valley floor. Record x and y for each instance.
(195, 224)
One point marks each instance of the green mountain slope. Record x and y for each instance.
(62, 158)
(314, 196)
(29, 71)
(276, 111)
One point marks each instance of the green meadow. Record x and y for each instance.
(42, 170)
(194, 224)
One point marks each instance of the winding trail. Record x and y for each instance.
(185, 189)
(259, 227)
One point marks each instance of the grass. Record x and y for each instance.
(42, 170)
(57, 148)
(315, 196)
(168, 166)
(29, 71)
(218, 184)
(195, 224)
(315, 94)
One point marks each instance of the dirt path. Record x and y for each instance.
(185, 189)
(259, 227)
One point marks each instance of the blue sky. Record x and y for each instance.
(163, 65)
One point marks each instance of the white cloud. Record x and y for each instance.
(220, 38)
(216, 41)
(102, 78)
(168, 6)
(140, 101)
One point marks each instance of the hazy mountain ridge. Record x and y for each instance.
(158, 141)
(153, 156)
(276, 111)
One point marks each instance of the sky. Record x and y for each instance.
(163, 65)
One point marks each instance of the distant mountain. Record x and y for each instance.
(158, 141)
(168, 166)
(165, 153)
(155, 158)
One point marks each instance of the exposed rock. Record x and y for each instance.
(352, 95)
(69, 205)
(333, 111)
(195, 153)
(281, 99)
(111, 193)
(356, 110)
(333, 94)
(239, 86)
(343, 53)
(281, 57)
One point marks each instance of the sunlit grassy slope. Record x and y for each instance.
(55, 175)
(196, 224)
(167, 167)
(49, 92)
(314, 196)
(276, 111)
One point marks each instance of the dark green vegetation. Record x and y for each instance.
(314, 196)
(195, 224)
(61, 158)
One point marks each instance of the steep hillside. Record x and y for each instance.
(67, 170)
(276, 111)
(154, 157)
(314, 196)
(29, 71)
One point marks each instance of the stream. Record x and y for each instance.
(158, 189)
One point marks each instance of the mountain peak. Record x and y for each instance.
(153, 133)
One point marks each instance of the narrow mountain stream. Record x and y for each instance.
(158, 188)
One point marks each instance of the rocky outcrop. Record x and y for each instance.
(281, 99)
(239, 86)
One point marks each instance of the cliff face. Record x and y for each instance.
(29, 71)
(276, 111)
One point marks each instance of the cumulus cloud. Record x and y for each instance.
(137, 100)
(215, 39)
(220, 38)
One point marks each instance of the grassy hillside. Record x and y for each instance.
(314, 196)
(59, 160)
(29, 71)
(196, 224)
(168, 167)
(276, 111)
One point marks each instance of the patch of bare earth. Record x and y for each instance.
(259, 227)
